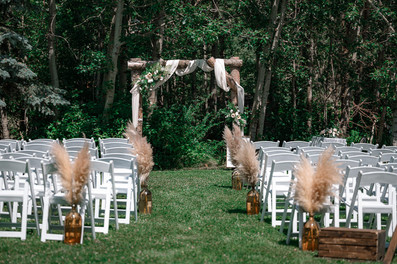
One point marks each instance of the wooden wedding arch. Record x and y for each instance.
(137, 66)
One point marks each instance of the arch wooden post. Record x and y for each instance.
(135, 74)
(235, 73)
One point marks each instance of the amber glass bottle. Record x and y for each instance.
(253, 205)
(311, 232)
(145, 201)
(73, 226)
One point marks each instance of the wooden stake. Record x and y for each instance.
(392, 248)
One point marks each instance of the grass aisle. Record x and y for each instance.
(197, 218)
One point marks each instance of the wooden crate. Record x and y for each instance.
(348, 243)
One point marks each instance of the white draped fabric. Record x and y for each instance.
(171, 67)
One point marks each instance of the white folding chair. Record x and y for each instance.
(58, 198)
(373, 202)
(126, 184)
(279, 180)
(13, 192)
(103, 190)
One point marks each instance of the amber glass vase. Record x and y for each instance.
(237, 183)
(145, 201)
(311, 231)
(73, 226)
(253, 205)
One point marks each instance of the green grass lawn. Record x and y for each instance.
(197, 218)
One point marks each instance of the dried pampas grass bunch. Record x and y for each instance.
(248, 164)
(143, 152)
(233, 142)
(313, 186)
(74, 176)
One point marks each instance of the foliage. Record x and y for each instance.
(178, 136)
(233, 116)
(150, 76)
(193, 210)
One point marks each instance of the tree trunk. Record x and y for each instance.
(381, 125)
(268, 74)
(157, 47)
(51, 44)
(4, 122)
(394, 127)
(109, 79)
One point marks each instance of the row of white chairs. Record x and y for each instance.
(42, 147)
(32, 181)
(277, 165)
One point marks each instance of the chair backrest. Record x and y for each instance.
(295, 143)
(117, 150)
(390, 147)
(14, 155)
(347, 149)
(343, 154)
(343, 163)
(364, 146)
(78, 143)
(43, 141)
(39, 147)
(258, 144)
(6, 146)
(35, 153)
(387, 157)
(333, 144)
(111, 140)
(378, 152)
(116, 145)
(312, 151)
(73, 151)
(365, 160)
(15, 144)
(350, 176)
(269, 158)
(382, 177)
(119, 155)
(313, 158)
(299, 150)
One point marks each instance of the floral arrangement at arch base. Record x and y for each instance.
(248, 170)
(144, 155)
(233, 142)
(74, 177)
(313, 187)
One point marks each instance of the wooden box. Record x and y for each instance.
(348, 243)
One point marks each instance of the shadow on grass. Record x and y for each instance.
(223, 186)
(292, 243)
(237, 211)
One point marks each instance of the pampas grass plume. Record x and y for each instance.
(233, 142)
(73, 177)
(314, 186)
(248, 164)
(143, 152)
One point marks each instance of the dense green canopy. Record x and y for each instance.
(307, 66)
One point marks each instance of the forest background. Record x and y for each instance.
(307, 66)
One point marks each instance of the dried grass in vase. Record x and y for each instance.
(314, 186)
(248, 169)
(73, 176)
(233, 142)
(248, 164)
(143, 152)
